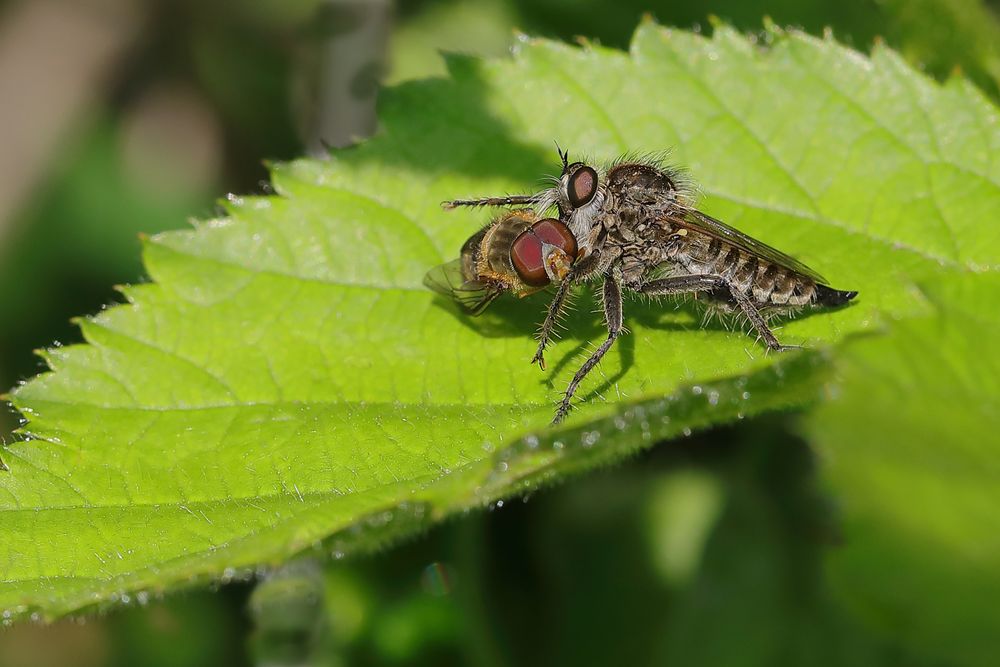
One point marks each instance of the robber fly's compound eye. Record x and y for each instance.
(582, 186)
(528, 255)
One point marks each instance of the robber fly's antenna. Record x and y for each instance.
(563, 155)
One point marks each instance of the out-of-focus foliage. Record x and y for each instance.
(910, 443)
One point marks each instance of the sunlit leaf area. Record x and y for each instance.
(242, 431)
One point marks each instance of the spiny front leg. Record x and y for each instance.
(555, 308)
(613, 317)
(580, 270)
(510, 200)
(707, 283)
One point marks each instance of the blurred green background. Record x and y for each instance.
(123, 117)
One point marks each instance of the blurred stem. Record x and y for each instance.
(288, 612)
(339, 79)
(481, 644)
(46, 90)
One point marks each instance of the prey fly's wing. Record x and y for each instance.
(720, 230)
(472, 295)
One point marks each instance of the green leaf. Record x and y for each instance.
(911, 448)
(285, 383)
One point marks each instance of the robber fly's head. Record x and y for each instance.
(579, 194)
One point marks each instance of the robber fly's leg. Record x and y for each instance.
(758, 321)
(555, 308)
(708, 283)
(512, 200)
(580, 269)
(613, 315)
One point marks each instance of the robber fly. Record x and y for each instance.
(633, 226)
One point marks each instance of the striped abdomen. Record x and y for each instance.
(767, 283)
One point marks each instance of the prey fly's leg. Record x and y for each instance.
(613, 316)
(581, 268)
(512, 200)
(707, 283)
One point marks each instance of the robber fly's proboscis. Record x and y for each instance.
(633, 226)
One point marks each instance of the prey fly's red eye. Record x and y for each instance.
(582, 186)
(526, 256)
(554, 232)
(526, 252)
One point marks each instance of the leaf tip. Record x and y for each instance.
(772, 29)
(463, 66)
(43, 353)
(147, 240)
(521, 39)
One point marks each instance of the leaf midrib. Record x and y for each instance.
(245, 500)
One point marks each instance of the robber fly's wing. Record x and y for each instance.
(720, 230)
(472, 295)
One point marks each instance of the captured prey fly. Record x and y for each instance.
(632, 226)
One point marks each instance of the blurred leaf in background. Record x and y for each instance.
(926, 472)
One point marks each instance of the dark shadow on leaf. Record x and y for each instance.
(443, 125)
(626, 353)
(564, 360)
(510, 317)
(507, 317)
(688, 313)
